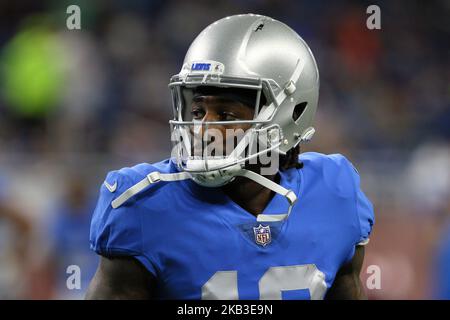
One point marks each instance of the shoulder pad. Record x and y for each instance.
(338, 173)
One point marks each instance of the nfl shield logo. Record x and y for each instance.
(262, 235)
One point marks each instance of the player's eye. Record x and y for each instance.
(197, 114)
(227, 116)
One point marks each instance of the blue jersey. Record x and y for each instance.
(441, 275)
(199, 244)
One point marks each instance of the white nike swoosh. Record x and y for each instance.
(111, 188)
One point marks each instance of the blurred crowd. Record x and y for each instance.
(75, 104)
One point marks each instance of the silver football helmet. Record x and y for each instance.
(254, 52)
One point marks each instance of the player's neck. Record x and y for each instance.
(249, 194)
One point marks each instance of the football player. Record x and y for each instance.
(225, 222)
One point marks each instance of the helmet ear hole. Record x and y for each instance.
(298, 110)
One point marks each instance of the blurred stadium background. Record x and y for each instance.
(76, 104)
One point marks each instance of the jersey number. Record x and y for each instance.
(223, 284)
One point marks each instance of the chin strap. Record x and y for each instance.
(269, 184)
(156, 176)
(151, 178)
